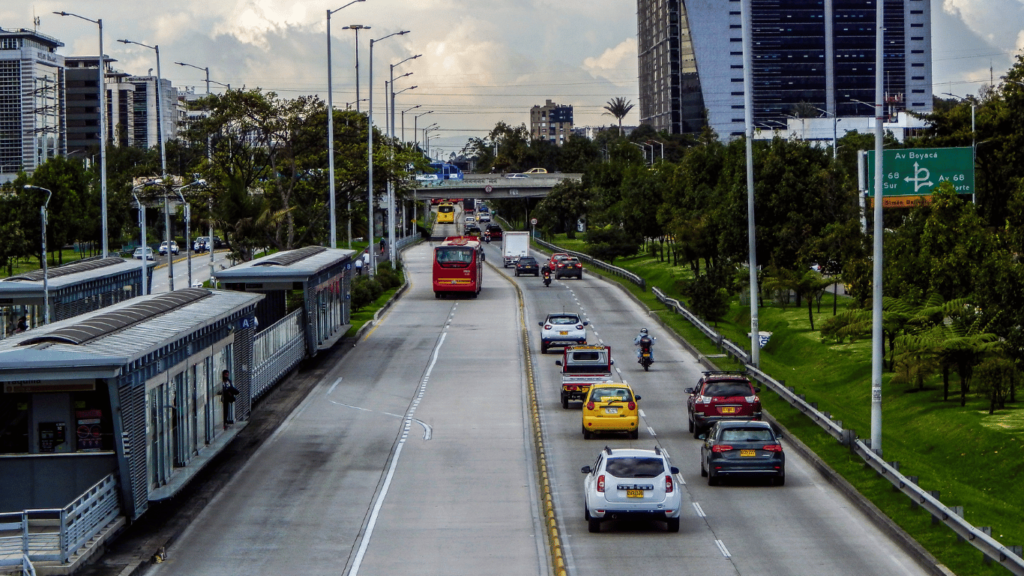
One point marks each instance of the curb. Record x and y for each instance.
(391, 301)
(909, 545)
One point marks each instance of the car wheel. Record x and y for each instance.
(586, 511)
(690, 420)
(712, 479)
(673, 524)
(696, 431)
(635, 434)
(543, 348)
(565, 401)
(586, 433)
(781, 480)
(517, 272)
(703, 470)
(594, 525)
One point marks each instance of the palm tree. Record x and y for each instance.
(618, 107)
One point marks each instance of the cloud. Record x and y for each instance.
(614, 62)
(999, 22)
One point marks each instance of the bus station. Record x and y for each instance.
(72, 289)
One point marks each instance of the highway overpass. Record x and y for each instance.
(491, 186)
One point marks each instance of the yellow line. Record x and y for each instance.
(390, 310)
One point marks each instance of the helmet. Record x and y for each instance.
(643, 330)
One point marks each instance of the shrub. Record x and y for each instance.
(365, 291)
(388, 277)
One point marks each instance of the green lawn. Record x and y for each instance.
(973, 459)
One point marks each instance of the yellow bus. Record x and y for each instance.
(446, 213)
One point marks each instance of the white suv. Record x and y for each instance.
(562, 330)
(631, 483)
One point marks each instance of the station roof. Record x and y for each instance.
(288, 266)
(99, 344)
(30, 284)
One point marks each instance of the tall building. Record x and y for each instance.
(807, 55)
(551, 122)
(31, 101)
(146, 127)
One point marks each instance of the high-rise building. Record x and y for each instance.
(31, 101)
(551, 122)
(146, 127)
(810, 57)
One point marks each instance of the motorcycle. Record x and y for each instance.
(547, 279)
(487, 238)
(646, 356)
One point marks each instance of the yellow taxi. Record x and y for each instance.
(611, 408)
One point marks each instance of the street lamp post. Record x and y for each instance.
(188, 216)
(391, 187)
(876, 313)
(103, 129)
(426, 138)
(415, 133)
(330, 127)
(46, 274)
(403, 119)
(835, 128)
(369, 153)
(746, 17)
(163, 159)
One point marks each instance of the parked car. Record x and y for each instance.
(721, 396)
(630, 483)
(163, 248)
(569, 267)
(138, 253)
(562, 330)
(741, 448)
(611, 407)
(527, 265)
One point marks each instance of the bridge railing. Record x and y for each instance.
(276, 351)
(600, 264)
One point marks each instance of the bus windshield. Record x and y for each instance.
(446, 208)
(454, 257)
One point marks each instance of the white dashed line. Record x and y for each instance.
(333, 386)
(725, 551)
(642, 415)
(651, 430)
(600, 339)
(680, 478)
(700, 511)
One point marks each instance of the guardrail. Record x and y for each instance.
(600, 264)
(276, 351)
(980, 538)
(57, 534)
(410, 239)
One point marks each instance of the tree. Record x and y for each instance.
(997, 377)
(563, 207)
(611, 242)
(618, 107)
(709, 293)
(805, 283)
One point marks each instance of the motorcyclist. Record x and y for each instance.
(545, 273)
(650, 343)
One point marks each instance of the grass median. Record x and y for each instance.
(972, 458)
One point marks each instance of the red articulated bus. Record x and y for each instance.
(458, 266)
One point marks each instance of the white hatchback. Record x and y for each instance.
(630, 483)
(563, 329)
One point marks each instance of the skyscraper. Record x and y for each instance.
(551, 122)
(810, 57)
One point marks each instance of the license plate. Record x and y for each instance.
(747, 453)
(611, 410)
(647, 355)
(634, 493)
(728, 410)
(563, 333)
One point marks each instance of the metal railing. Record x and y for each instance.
(600, 264)
(58, 534)
(276, 351)
(980, 538)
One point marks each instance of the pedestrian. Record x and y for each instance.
(228, 393)
(359, 266)
(22, 325)
(382, 245)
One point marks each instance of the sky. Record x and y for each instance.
(483, 61)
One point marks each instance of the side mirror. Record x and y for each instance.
(540, 323)
(613, 362)
(586, 323)
(637, 398)
(558, 362)
(757, 389)
(778, 436)
(674, 470)
(702, 437)
(586, 470)
(689, 390)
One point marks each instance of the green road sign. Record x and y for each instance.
(916, 171)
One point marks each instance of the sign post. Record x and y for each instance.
(911, 174)
(533, 226)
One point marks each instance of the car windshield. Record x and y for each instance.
(451, 257)
(734, 388)
(527, 260)
(563, 320)
(610, 394)
(746, 435)
(635, 467)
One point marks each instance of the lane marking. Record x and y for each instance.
(642, 415)
(379, 502)
(680, 478)
(725, 551)
(333, 386)
(651, 430)
(700, 511)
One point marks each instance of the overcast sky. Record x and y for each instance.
(483, 61)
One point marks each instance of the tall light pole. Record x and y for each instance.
(330, 126)
(356, 28)
(415, 133)
(392, 212)
(209, 158)
(835, 128)
(876, 313)
(426, 137)
(369, 154)
(210, 244)
(163, 160)
(142, 232)
(748, 117)
(103, 128)
(403, 119)
(46, 282)
(188, 216)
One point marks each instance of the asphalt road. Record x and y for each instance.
(410, 457)
(805, 527)
(200, 270)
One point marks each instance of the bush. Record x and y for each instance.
(610, 243)
(388, 277)
(365, 291)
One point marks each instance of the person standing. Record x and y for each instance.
(228, 392)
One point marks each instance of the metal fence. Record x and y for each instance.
(600, 264)
(276, 351)
(980, 538)
(58, 534)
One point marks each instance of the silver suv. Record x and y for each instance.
(630, 483)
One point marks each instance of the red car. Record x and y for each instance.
(722, 396)
(553, 262)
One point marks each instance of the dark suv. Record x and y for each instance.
(527, 265)
(494, 230)
(570, 267)
(722, 396)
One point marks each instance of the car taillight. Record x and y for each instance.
(547, 326)
(579, 326)
(669, 486)
(600, 483)
(773, 448)
(572, 388)
(579, 265)
(631, 405)
(751, 399)
(721, 448)
(590, 405)
(704, 400)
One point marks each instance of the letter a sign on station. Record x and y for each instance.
(911, 174)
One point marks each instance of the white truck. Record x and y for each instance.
(514, 245)
(582, 367)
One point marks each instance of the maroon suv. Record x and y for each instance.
(722, 396)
